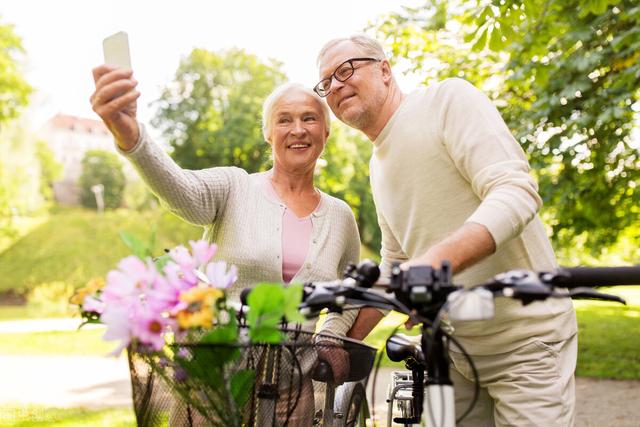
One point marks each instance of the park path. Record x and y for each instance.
(98, 382)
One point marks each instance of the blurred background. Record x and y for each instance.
(565, 74)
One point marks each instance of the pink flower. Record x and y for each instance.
(202, 251)
(181, 256)
(164, 294)
(93, 305)
(149, 326)
(129, 281)
(218, 276)
(176, 279)
(117, 321)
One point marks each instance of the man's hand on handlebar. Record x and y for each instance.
(336, 356)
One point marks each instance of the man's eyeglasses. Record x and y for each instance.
(342, 73)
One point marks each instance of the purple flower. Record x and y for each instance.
(183, 353)
(218, 276)
(180, 374)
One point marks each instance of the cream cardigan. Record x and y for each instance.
(246, 225)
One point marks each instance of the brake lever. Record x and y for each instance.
(528, 292)
(590, 293)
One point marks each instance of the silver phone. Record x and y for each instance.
(116, 50)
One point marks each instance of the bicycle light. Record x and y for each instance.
(476, 304)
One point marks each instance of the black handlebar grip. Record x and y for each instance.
(368, 273)
(322, 372)
(572, 277)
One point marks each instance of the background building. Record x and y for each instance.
(70, 138)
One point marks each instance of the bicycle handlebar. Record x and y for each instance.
(426, 290)
(570, 277)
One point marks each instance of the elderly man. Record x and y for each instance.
(451, 183)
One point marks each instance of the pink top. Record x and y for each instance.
(296, 234)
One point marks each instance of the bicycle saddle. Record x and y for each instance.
(401, 347)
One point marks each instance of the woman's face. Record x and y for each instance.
(298, 131)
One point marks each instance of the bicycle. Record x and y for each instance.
(425, 293)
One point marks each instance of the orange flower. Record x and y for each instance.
(199, 306)
(91, 288)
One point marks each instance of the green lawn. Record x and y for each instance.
(74, 245)
(80, 343)
(32, 416)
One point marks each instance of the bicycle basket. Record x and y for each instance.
(195, 384)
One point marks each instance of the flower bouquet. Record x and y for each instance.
(194, 360)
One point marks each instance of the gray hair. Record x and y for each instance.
(367, 45)
(277, 94)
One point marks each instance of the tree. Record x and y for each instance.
(102, 167)
(565, 75)
(14, 90)
(19, 176)
(14, 94)
(50, 169)
(211, 113)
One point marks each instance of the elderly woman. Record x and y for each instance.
(274, 226)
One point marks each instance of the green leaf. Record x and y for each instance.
(139, 249)
(481, 41)
(161, 261)
(266, 310)
(242, 386)
(495, 41)
(223, 333)
(292, 300)
(265, 333)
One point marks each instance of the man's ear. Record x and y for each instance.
(387, 75)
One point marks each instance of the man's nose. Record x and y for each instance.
(335, 85)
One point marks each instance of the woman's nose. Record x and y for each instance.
(298, 127)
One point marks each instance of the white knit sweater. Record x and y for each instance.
(246, 224)
(446, 157)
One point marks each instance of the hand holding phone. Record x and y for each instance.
(116, 50)
(117, 106)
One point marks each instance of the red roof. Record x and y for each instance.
(63, 121)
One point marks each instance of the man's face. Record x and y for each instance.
(355, 101)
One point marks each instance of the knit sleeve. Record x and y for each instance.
(352, 248)
(197, 196)
(486, 155)
(339, 324)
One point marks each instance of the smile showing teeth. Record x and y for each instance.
(299, 145)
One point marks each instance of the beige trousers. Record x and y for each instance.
(531, 386)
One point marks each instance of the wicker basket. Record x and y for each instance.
(240, 384)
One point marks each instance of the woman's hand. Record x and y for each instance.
(114, 100)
